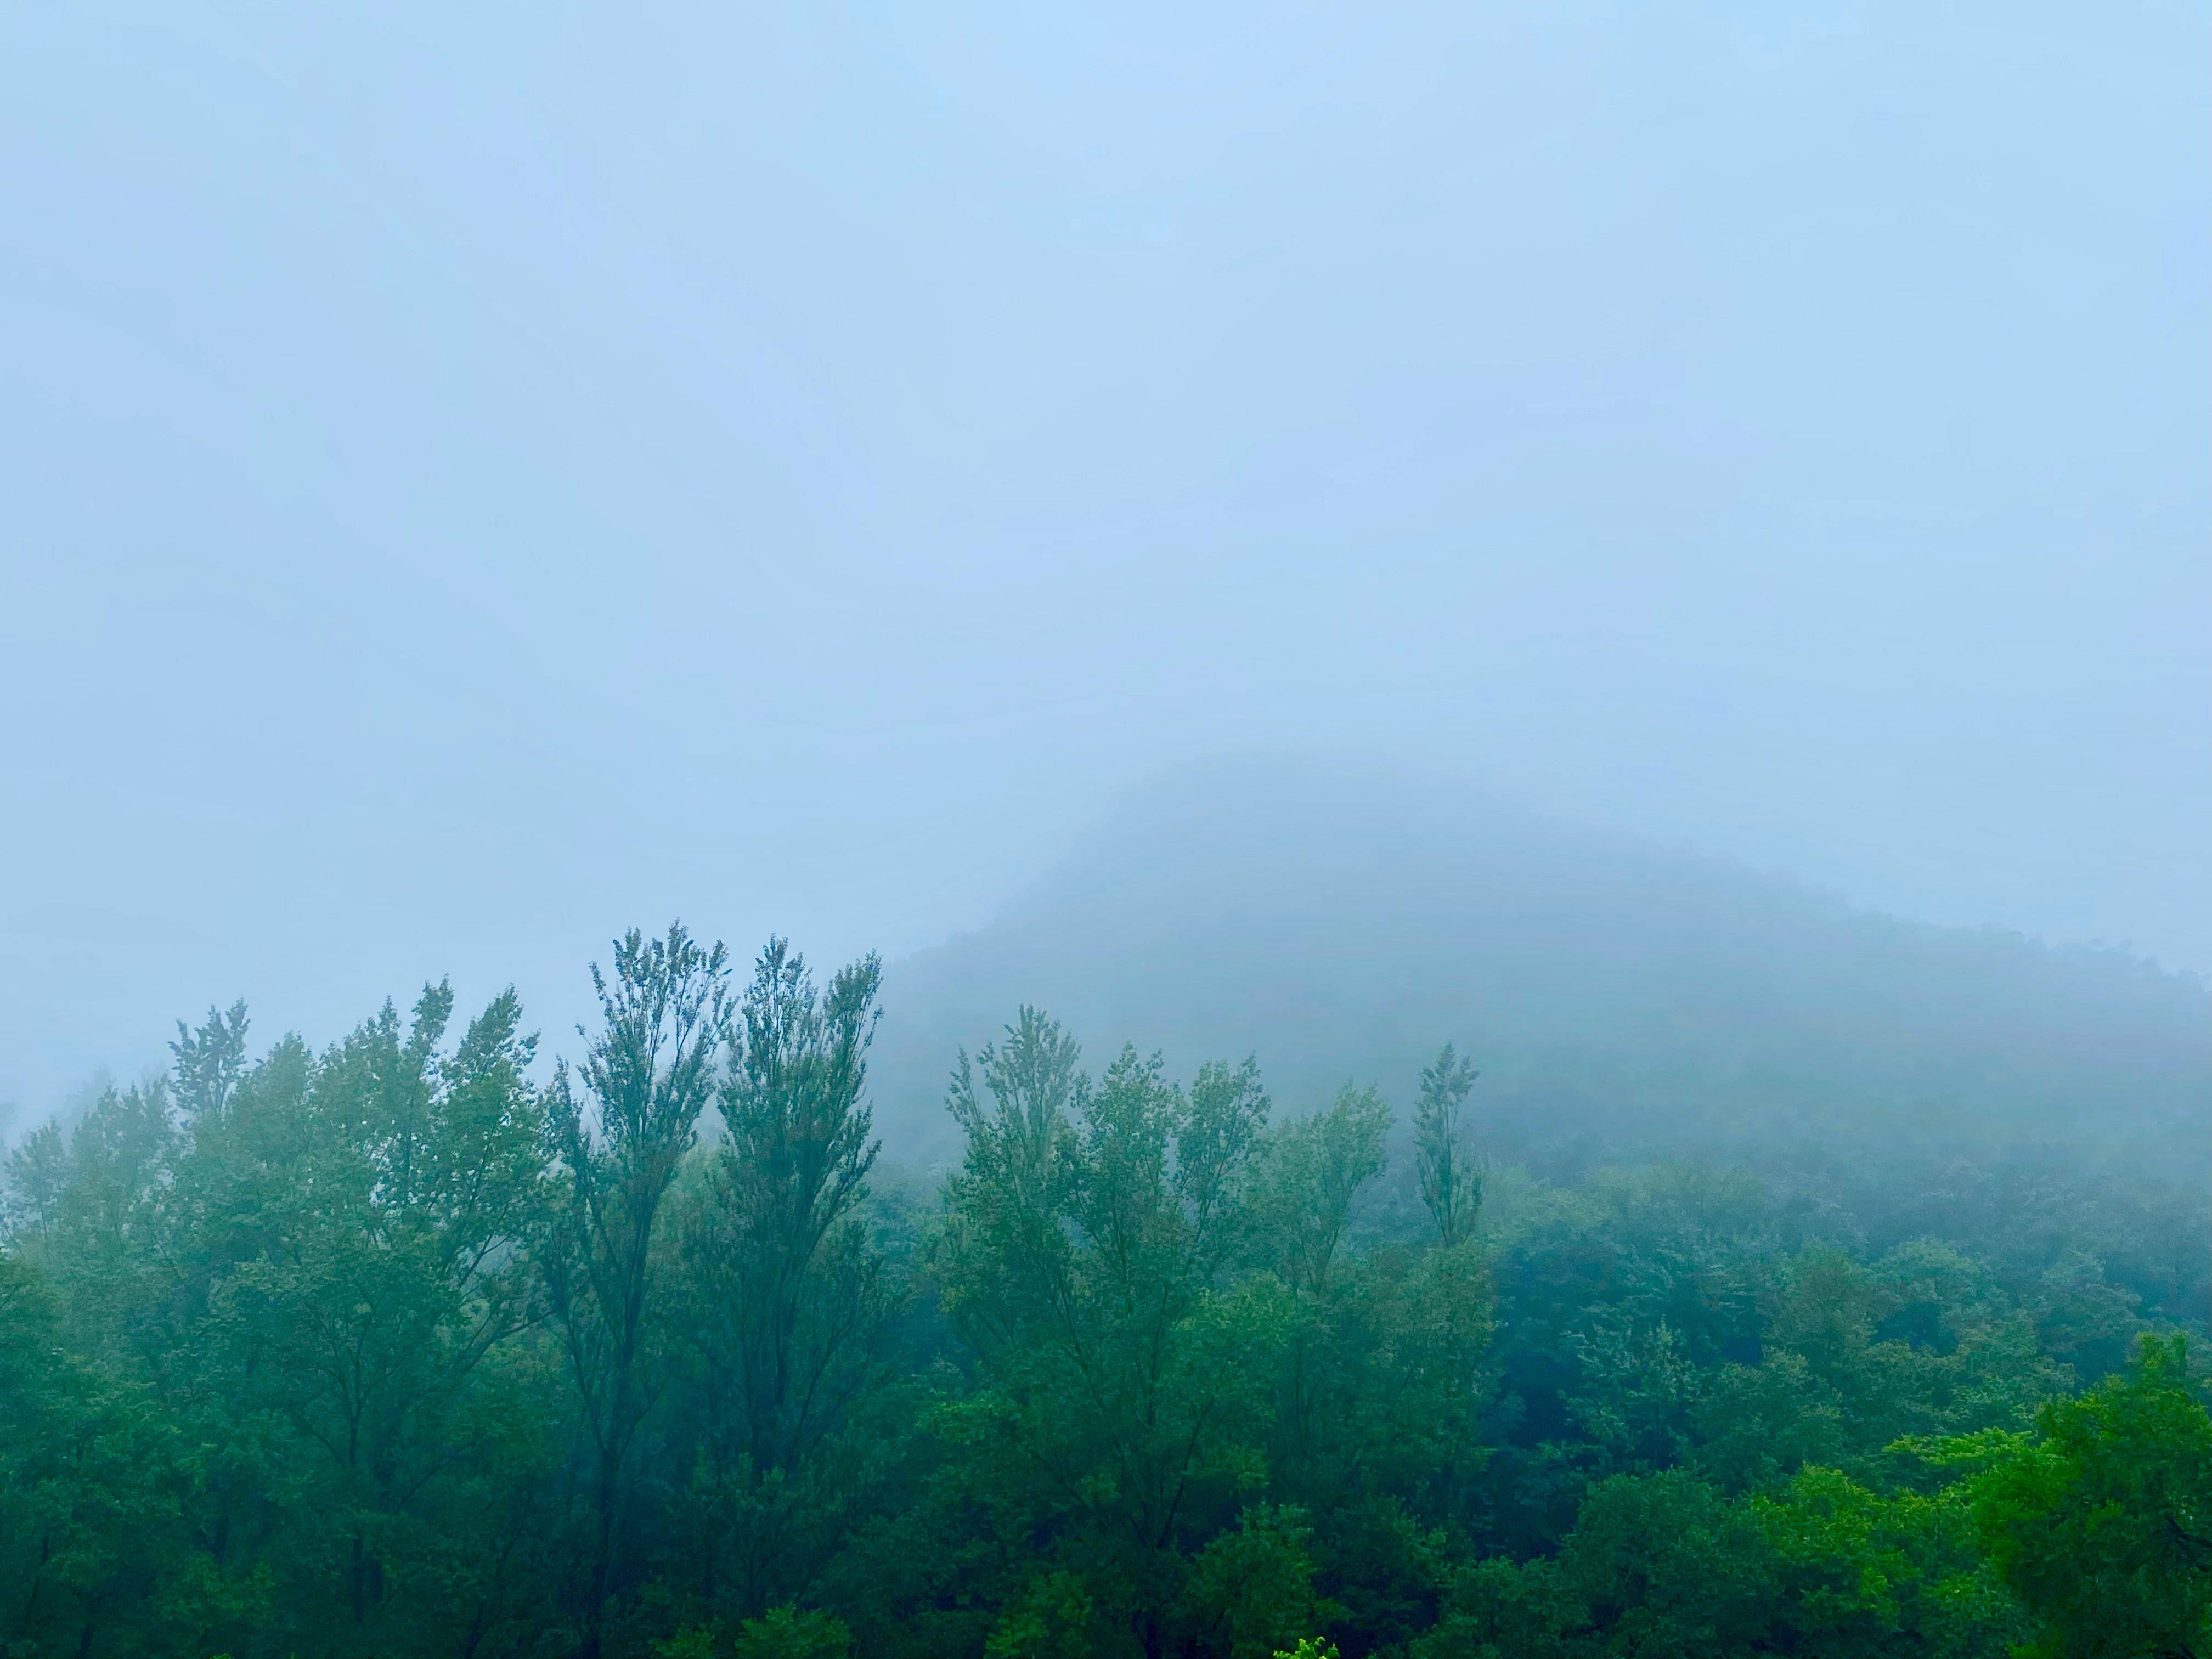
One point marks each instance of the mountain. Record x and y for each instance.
(1624, 999)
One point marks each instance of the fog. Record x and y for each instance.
(472, 478)
(1146, 832)
(1629, 1002)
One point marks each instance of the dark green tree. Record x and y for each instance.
(1309, 1172)
(620, 1128)
(1087, 1262)
(788, 1295)
(210, 1061)
(1451, 1184)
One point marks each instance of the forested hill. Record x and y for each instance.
(401, 1345)
(1622, 999)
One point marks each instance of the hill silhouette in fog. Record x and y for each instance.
(1623, 1000)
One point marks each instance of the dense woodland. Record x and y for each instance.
(414, 1344)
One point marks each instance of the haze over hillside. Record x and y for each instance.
(1621, 997)
(590, 596)
(473, 479)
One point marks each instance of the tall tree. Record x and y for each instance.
(399, 1278)
(1451, 1184)
(210, 1061)
(789, 1291)
(1310, 1171)
(1125, 1381)
(620, 1138)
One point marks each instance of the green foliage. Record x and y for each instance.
(2102, 1524)
(1252, 1588)
(1052, 1619)
(1451, 1186)
(788, 1633)
(387, 1350)
(784, 1294)
(1086, 1259)
(646, 1077)
(1311, 1172)
(785, 1632)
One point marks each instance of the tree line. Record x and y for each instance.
(407, 1347)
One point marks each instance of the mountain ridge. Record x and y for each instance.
(1625, 998)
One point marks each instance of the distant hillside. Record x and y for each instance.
(1622, 999)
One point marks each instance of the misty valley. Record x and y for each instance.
(1527, 1245)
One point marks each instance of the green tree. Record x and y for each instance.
(1662, 1563)
(1051, 1620)
(620, 1140)
(1252, 1587)
(392, 1280)
(2102, 1523)
(788, 1295)
(1086, 1258)
(210, 1061)
(1309, 1172)
(1862, 1572)
(1451, 1184)
(94, 1553)
(89, 1208)
(1503, 1609)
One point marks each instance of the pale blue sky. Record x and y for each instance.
(474, 476)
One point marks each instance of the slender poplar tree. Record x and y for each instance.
(621, 1127)
(1451, 1184)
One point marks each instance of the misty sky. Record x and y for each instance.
(472, 477)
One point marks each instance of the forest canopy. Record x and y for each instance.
(415, 1344)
